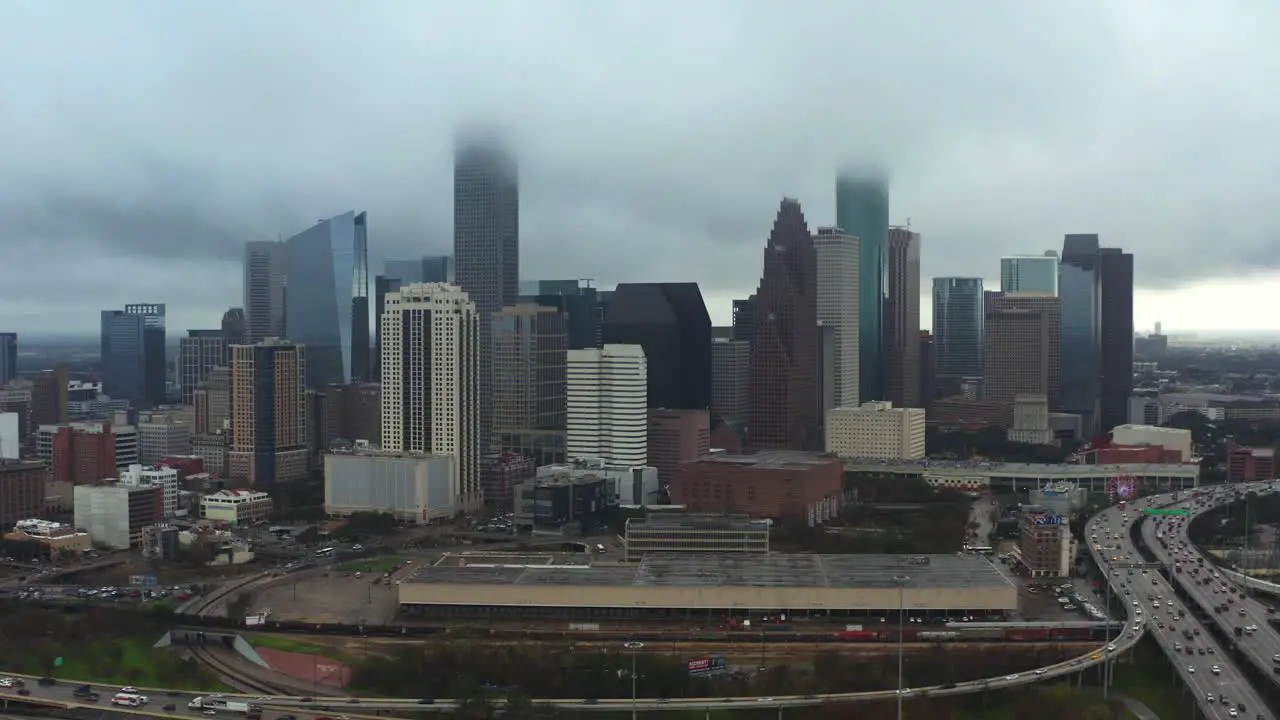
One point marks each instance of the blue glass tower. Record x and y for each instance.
(1080, 290)
(862, 210)
(327, 298)
(958, 323)
(123, 356)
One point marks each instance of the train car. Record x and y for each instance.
(858, 636)
(1071, 633)
(1027, 634)
(937, 635)
(982, 634)
(777, 628)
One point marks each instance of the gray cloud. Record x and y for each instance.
(151, 139)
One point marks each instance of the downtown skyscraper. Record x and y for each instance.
(784, 344)
(486, 245)
(902, 320)
(265, 265)
(862, 210)
(328, 298)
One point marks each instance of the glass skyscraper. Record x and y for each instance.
(327, 306)
(123, 356)
(862, 210)
(958, 319)
(1029, 273)
(1080, 288)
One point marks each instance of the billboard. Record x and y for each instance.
(707, 666)
(1047, 519)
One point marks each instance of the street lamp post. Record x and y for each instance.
(901, 581)
(633, 646)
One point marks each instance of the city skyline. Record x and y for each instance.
(1037, 143)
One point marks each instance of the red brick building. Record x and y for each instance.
(1132, 454)
(82, 456)
(779, 485)
(1250, 464)
(675, 437)
(499, 472)
(22, 491)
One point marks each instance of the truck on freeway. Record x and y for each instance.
(213, 702)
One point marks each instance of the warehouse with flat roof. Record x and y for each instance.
(678, 584)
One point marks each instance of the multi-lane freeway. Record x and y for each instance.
(1231, 608)
(1200, 661)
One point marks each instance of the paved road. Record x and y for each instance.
(1162, 616)
(1169, 540)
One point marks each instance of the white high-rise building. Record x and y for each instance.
(607, 404)
(838, 311)
(430, 380)
(876, 430)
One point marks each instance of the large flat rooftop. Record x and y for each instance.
(975, 467)
(710, 570)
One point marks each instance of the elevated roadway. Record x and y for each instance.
(1228, 605)
(1151, 599)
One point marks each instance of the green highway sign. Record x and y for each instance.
(1161, 511)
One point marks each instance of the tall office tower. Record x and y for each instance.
(1030, 273)
(265, 266)
(902, 320)
(234, 326)
(581, 306)
(957, 328)
(1080, 288)
(530, 347)
(49, 391)
(486, 243)
(743, 322)
(670, 321)
(1116, 335)
(730, 379)
(607, 409)
(328, 298)
(928, 381)
(212, 401)
(838, 255)
(784, 339)
(428, 269)
(8, 358)
(1021, 351)
(382, 285)
(862, 210)
(430, 380)
(123, 357)
(155, 365)
(268, 413)
(198, 353)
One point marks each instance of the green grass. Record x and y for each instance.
(284, 644)
(373, 565)
(1153, 687)
(138, 664)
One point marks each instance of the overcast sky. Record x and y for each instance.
(144, 142)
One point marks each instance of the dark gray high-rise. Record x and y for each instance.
(486, 245)
(155, 366)
(8, 358)
(1116, 336)
(670, 321)
(1080, 288)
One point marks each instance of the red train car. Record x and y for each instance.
(859, 636)
(1071, 633)
(1027, 634)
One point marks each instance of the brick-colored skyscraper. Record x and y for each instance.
(784, 346)
(1021, 349)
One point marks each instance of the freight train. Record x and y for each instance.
(765, 633)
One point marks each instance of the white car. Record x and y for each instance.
(1215, 669)
(1191, 668)
(1041, 671)
(7, 682)
(131, 690)
(1011, 677)
(1111, 647)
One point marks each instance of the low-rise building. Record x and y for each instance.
(59, 537)
(1175, 440)
(499, 473)
(1060, 498)
(413, 487)
(115, 515)
(779, 484)
(876, 430)
(624, 484)
(237, 508)
(161, 434)
(668, 533)
(564, 504)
